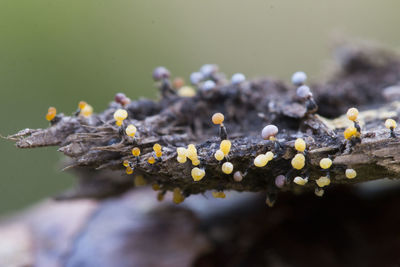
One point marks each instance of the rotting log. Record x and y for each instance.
(96, 147)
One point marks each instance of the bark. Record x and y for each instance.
(96, 147)
(348, 227)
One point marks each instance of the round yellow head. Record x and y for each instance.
(390, 124)
(350, 132)
(136, 151)
(51, 113)
(225, 146)
(298, 161)
(218, 118)
(325, 163)
(352, 114)
(261, 160)
(198, 174)
(219, 155)
(351, 173)
(227, 168)
(130, 130)
(300, 144)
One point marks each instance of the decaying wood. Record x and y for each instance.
(133, 229)
(96, 148)
(117, 232)
(344, 229)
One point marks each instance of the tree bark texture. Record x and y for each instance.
(131, 228)
(366, 77)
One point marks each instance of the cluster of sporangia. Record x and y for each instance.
(207, 79)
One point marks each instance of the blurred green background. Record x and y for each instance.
(57, 53)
